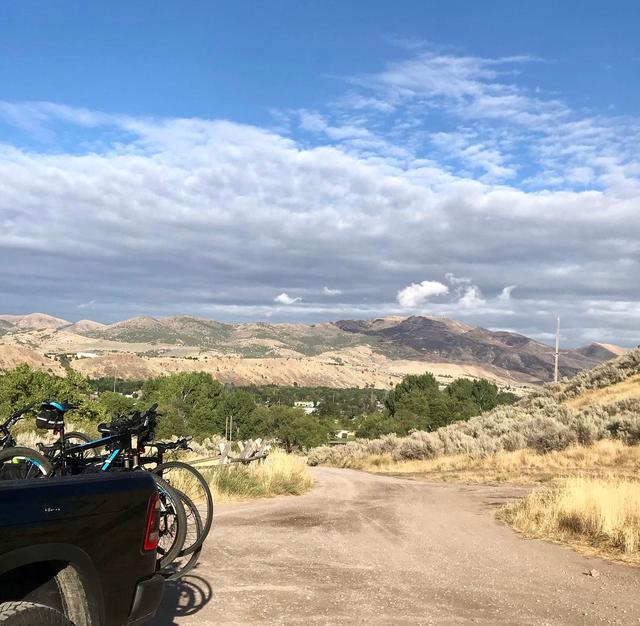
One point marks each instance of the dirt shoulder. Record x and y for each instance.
(361, 548)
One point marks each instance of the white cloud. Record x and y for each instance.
(472, 298)
(505, 294)
(87, 305)
(331, 292)
(456, 280)
(416, 294)
(314, 122)
(152, 205)
(285, 298)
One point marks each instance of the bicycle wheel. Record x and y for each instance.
(76, 438)
(173, 523)
(187, 559)
(24, 463)
(191, 482)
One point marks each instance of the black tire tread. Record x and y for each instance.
(28, 614)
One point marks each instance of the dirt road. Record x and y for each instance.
(363, 549)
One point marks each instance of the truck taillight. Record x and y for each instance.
(152, 532)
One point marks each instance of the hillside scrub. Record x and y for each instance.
(602, 514)
(523, 467)
(540, 422)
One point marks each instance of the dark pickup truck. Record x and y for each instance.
(79, 550)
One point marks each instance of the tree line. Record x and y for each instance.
(197, 404)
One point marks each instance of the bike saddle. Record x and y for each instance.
(106, 429)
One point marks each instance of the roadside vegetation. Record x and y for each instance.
(595, 514)
(280, 474)
(520, 467)
(543, 422)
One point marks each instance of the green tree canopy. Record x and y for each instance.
(290, 426)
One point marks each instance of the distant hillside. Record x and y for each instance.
(439, 339)
(373, 350)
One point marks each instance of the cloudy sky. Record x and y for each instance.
(305, 161)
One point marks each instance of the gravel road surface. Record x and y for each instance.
(366, 549)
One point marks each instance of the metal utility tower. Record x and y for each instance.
(557, 352)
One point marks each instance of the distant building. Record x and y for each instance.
(307, 407)
(345, 434)
(86, 355)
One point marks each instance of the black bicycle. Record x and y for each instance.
(18, 461)
(186, 479)
(125, 442)
(6, 438)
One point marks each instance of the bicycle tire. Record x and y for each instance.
(18, 455)
(205, 500)
(186, 561)
(173, 523)
(89, 454)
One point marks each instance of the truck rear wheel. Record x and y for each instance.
(29, 614)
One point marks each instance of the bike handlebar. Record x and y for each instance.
(17, 416)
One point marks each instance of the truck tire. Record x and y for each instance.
(30, 614)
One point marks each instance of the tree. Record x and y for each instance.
(485, 394)
(22, 386)
(410, 393)
(290, 426)
(115, 404)
(238, 406)
(375, 425)
(188, 401)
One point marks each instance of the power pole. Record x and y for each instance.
(557, 352)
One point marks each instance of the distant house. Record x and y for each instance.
(86, 355)
(307, 407)
(345, 434)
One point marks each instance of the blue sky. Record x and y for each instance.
(237, 60)
(320, 160)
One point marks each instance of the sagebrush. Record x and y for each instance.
(540, 421)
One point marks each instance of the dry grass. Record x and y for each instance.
(519, 467)
(600, 515)
(591, 501)
(280, 474)
(625, 390)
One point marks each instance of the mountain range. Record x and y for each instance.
(342, 353)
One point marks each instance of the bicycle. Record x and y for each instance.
(59, 459)
(181, 476)
(6, 438)
(184, 478)
(18, 461)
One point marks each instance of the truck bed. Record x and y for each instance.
(93, 524)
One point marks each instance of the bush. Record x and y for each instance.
(539, 421)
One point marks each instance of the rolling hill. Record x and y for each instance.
(346, 352)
